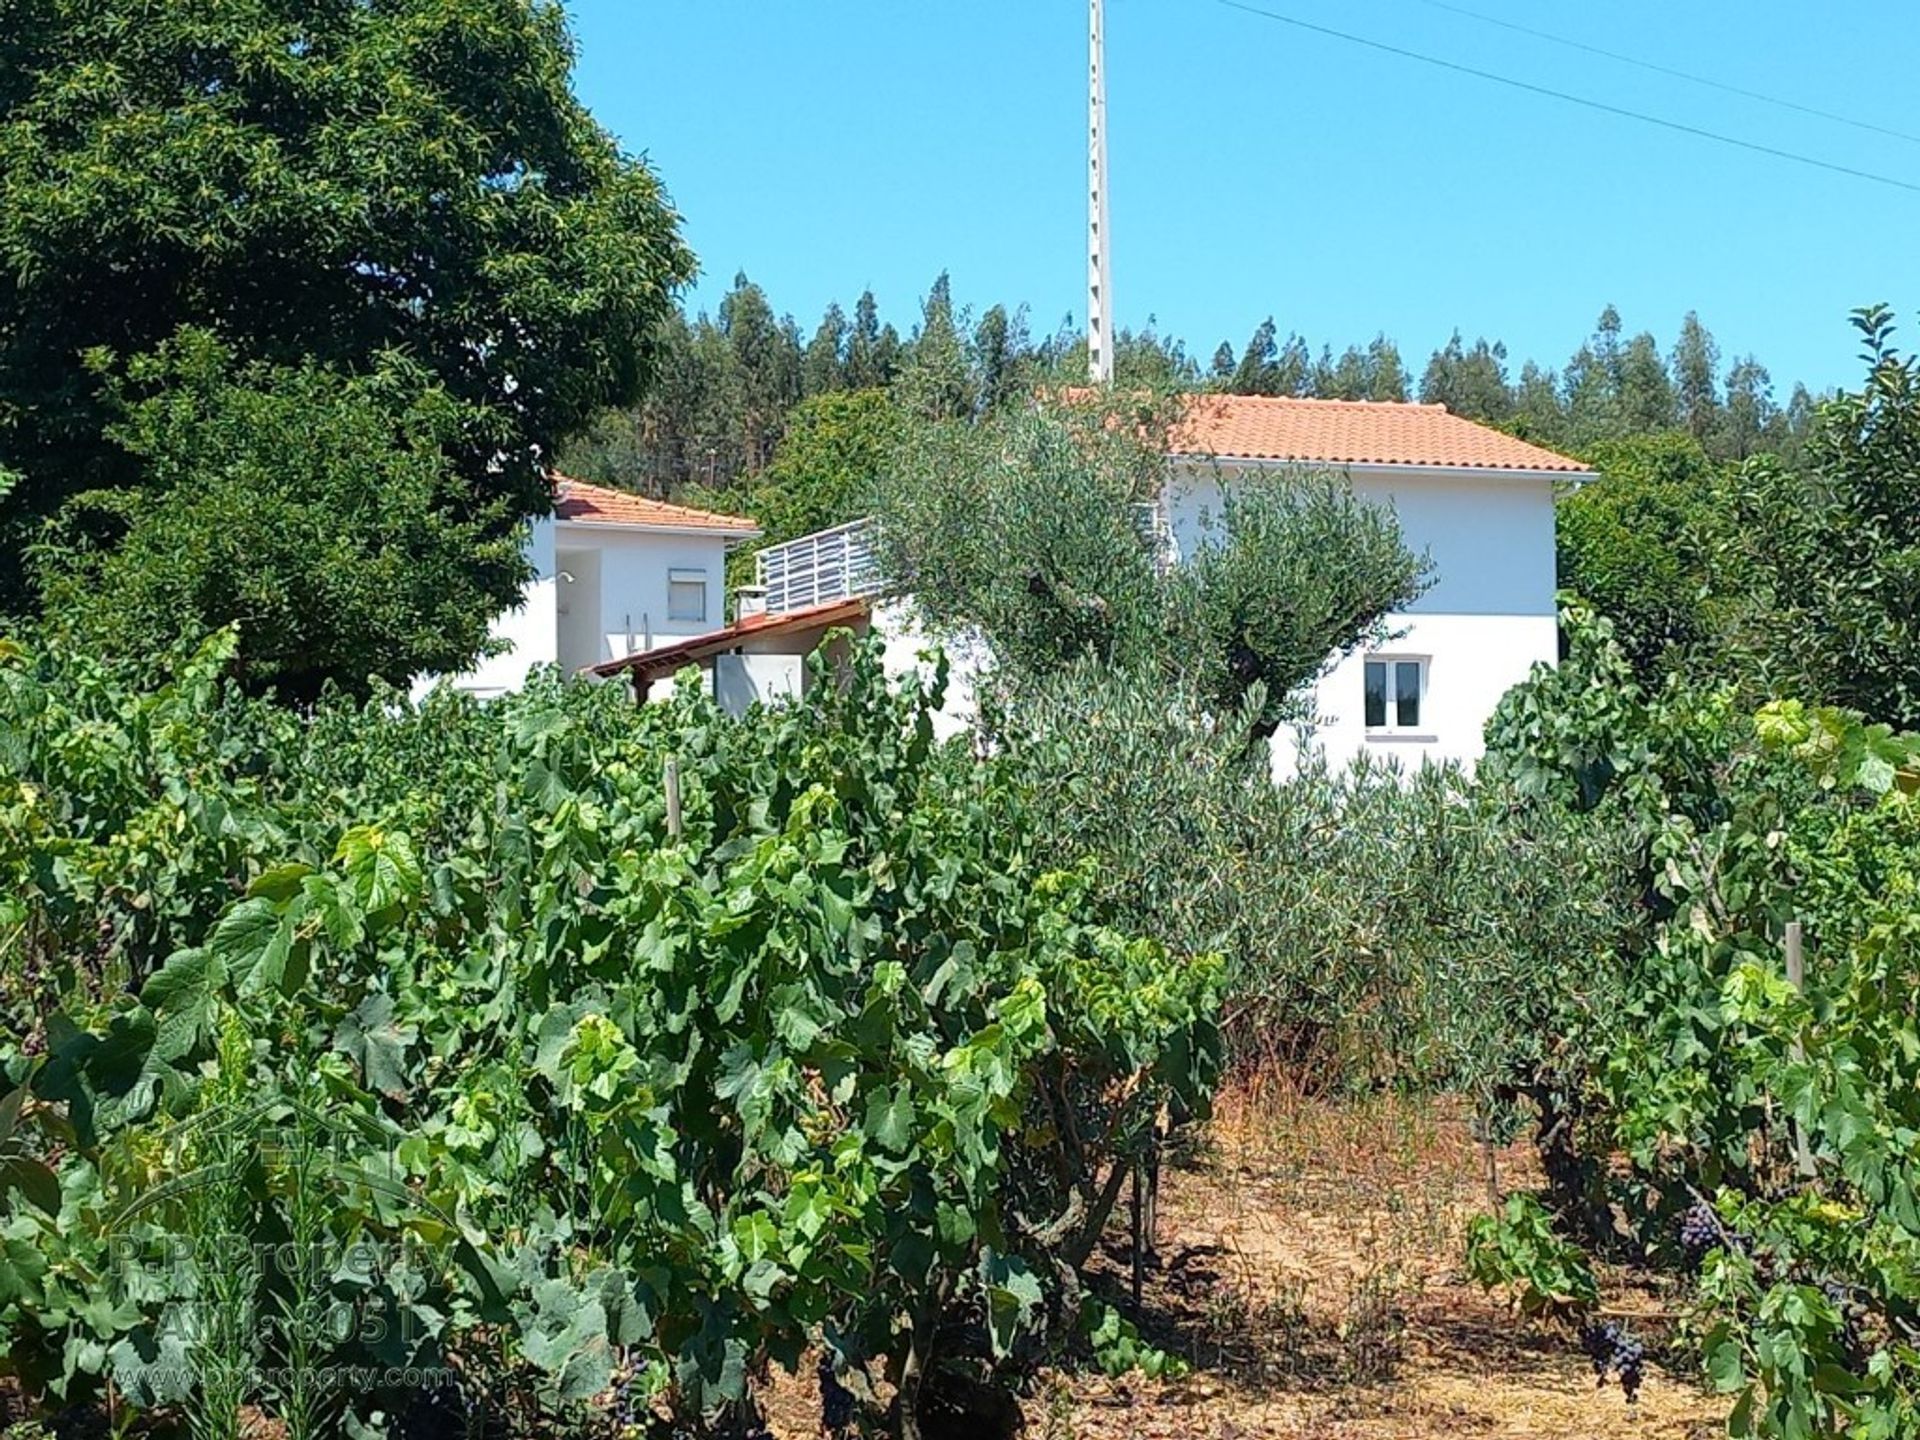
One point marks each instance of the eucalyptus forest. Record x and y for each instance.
(390, 1065)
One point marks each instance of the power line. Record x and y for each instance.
(1600, 105)
(1668, 70)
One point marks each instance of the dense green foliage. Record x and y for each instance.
(1722, 1119)
(1380, 927)
(323, 188)
(1829, 551)
(826, 472)
(321, 513)
(557, 1082)
(729, 380)
(1636, 544)
(1785, 575)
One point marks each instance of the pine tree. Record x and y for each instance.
(1471, 383)
(1258, 372)
(935, 382)
(824, 367)
(1388, 380)
(1696, 364)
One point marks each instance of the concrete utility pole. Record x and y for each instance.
(1099, 263)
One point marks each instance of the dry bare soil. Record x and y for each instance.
(1309, 1268)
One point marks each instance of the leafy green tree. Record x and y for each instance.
(1634, 544)
(1696, 365)
(1144, 361)
(1752, 422)
(766, 358)
(1221, 371)
(1827, 556)
(1538, 414)
(1268, 367)
(873, 349)
(1592, 383)
(325, 184)
(824, 366)
(1387, 373)
(825, 471)
(1023, 528)
(1027, 531)
(1258, 369)
(323, 514)
(1803, 409)
(1373, 373)
(1147, 360)
(936, 382)
(1647, 401)
(1002, 355)
(1299, 571)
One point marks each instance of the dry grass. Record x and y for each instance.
(1310, 1268)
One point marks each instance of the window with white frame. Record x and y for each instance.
(1396, 693)
(687, 595)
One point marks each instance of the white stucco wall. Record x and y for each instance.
(748, 678)
(634, 570)
(1487, 619)
(903, 640)
(611, 582)
(530, 629)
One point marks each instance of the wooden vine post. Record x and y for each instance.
(1797, 977)
(673, 797)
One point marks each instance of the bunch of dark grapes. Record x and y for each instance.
(1699, 1232)
(1613, 1350)
(629, 1411)
(836, 1401)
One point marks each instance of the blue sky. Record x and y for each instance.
(829, 146)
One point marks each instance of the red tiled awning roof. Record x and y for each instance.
(1352, 432)
(665, 659)
(581, 503)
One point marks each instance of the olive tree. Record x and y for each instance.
(1035, 530)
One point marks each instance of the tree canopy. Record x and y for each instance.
(329, 186)
(320, 513)
(1826, 555)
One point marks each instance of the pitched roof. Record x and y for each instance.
(577, 501)
(646, 665)
(1351, 432)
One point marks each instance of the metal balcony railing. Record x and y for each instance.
(817, 569)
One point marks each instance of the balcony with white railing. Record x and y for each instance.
(817, 569)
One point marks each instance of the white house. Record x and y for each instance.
(1479, 503)
(614, 573)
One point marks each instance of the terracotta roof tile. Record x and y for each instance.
(578, 501)
(1351, 432)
